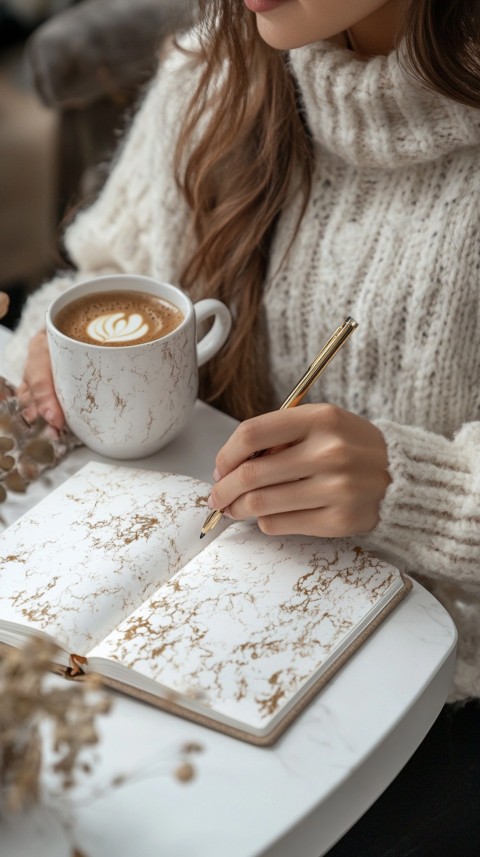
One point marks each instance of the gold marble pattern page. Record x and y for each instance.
(81, 560)
(251, 620)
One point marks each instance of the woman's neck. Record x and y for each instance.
(377, 33)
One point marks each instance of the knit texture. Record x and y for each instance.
(391, 237)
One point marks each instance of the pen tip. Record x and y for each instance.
(202, 535)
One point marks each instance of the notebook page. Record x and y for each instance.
(81, 560)
(250, 622)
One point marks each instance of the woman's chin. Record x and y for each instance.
(281, 38)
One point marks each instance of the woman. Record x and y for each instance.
(327, 164)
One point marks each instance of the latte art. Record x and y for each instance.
(118, 318)
(117, 327)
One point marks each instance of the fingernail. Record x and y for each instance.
(49, 416)
(216, 475)
(210, 503)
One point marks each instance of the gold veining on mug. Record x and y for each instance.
(120, 402)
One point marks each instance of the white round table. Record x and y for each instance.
(295, 798)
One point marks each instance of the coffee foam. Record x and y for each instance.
(118, 327)
(118, 318)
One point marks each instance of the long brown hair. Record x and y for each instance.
(442, 39)
(245, 149)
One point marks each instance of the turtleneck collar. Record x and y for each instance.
(373, 113)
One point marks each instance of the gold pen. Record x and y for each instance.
(314, 370)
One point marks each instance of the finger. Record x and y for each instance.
(44, 402)
(295, 496)
(313, 455)
(287, 465)
(27, 403)
(261, 433)
(38, 377)
(325, 523)
(23, 393)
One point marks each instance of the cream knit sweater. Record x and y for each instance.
(390, 236)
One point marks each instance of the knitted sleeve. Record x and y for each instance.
(117, 234)
(430, 515)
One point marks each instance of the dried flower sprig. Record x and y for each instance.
(26, 449)
(27, 700)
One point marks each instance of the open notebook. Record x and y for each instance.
(237, 631)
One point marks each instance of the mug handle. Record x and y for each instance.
(217, 335)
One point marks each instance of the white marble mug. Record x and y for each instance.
(129, 401)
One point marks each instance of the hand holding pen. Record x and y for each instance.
(326, 474)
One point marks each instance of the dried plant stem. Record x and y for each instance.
(26, 448)
(26, 700)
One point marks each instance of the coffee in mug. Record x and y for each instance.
(118, 318)
(129, 400)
